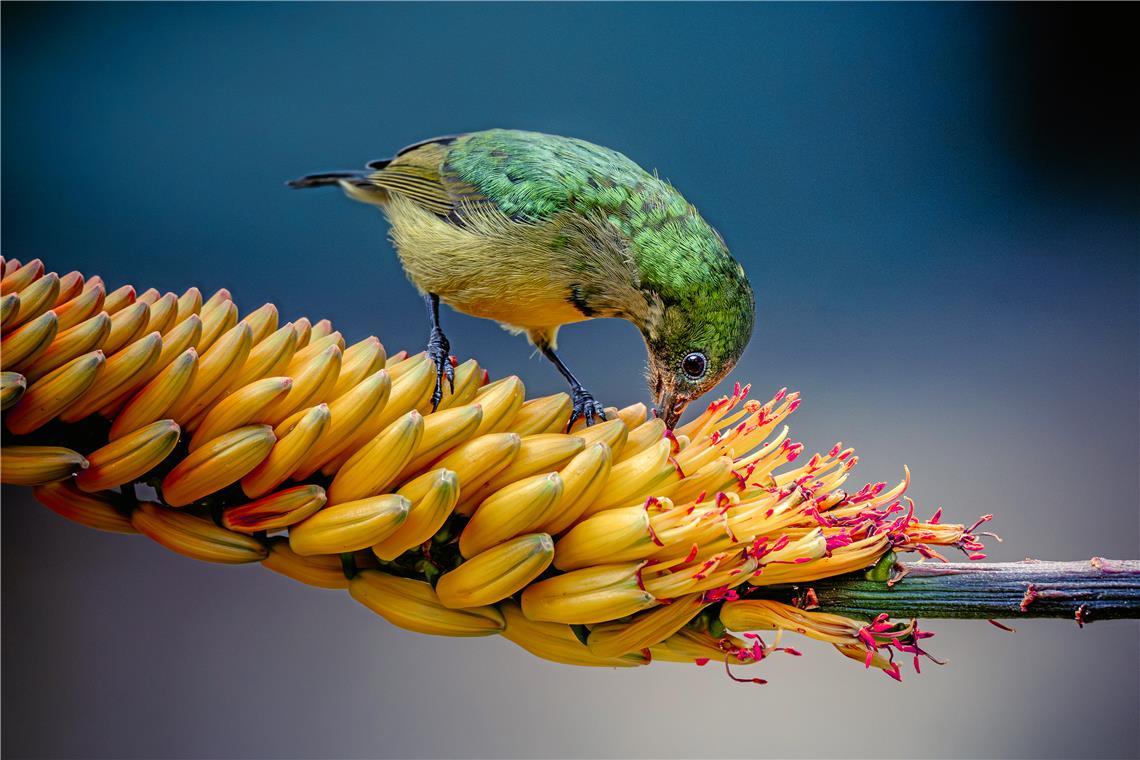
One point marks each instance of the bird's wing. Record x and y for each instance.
(532, 177)
(420, 173)
(414, 173)
(526, 176)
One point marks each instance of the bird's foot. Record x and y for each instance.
(586, 407)
(439, 352)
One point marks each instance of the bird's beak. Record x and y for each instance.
(670, 407)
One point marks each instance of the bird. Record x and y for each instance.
(536, 231)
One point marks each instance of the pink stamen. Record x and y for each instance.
(728, 670)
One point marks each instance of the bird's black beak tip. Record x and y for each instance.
(670, 409)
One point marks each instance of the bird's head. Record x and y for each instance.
(694, 343)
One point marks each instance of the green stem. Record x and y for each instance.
(1099, 589)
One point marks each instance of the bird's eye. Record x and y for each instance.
(694, 365)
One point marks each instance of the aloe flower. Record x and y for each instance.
(280, 443)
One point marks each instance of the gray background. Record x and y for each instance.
(936, 205)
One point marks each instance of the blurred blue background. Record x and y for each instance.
(937, 205)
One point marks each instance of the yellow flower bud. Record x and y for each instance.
(217, 464)
(12, 387)
(275, 511)
(303, 328)
(374, 466)
(180, 338)
(350, 526)
(511, 511)
(66, 500)
(548, 414)
(9, 308)
(590, 595)
(413, 605)
(556, 642)
(496, 573)
(501, 404)
(645, 629)
(616, 535)
(245, 406)
(189, 303)
(268, 358)
(71, 285)
(219, 298)
(116, 300)
(313, 380)
(614, 433)
(287, 453)
(87, 336)
(433, 496)
(127, 325)
(348, 414)
(122, 373)
(477, 461)
(37, 298)
(217, 367)
(159, 395)
(36, 465)
(195, 537)
(583, 479)
(318, 344)
(130, 457)
(320, 570)
(642, 437)
(636, 477)
(262, 321)
(81, 308)
(52, 395)
(443, 431)
(540, 453)
(163, 313)
(216, 322)
(22, 277)
(22, 346)
(359, 361)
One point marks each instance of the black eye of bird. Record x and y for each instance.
(694, 365)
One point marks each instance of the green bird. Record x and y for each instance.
(536, 231)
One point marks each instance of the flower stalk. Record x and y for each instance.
(1096, 589)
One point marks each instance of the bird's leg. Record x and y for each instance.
(585, 405)
(438, 351)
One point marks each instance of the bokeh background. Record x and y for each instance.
(937, 206)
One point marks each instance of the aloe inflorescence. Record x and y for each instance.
(608, 545)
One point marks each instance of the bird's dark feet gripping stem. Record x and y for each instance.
(585, 405)
(439, 352)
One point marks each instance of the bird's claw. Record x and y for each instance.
(439, 352)
(586, 407)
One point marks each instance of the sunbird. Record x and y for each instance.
(537, 231)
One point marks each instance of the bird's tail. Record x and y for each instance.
(321, 180)
(356, 185)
